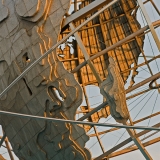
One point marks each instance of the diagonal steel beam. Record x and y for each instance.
(93, 111)
(135, 122)
(134, 148)
(123, 144)
(90, 8)
(156, 8)
(9, 149)
(77, 122)
(119, 43)
(86, 55)
(53, 47)
(152, 134)
(5, 139)
(138, 142)
(2, 139)
(94, 71)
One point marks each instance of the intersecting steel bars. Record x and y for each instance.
(94, 6)
(53, 47)
(115, 45)
(135, 122)
(5, 139)
(35, 64)
(84, 51)
(86, 55)
(122, 144)
(127, 150)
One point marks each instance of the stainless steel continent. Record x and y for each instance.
(28, 28)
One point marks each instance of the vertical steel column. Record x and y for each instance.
(86, 56)
(75, 5)
(154, 34)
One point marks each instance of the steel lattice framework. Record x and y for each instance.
(47, 51)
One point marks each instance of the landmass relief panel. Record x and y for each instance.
(27, 30)
(111, 26)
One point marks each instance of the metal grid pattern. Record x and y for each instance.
(111, 26)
